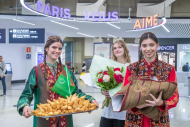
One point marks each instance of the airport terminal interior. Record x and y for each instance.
(89, 32)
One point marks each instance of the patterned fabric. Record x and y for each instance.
(53, 69)
(52, 79)
(165, 72)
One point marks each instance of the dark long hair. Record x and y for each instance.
(145, 36)
(51, 40)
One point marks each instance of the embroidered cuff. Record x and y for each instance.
(90, 99)
(20, 108)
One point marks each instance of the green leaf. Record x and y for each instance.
(122, 69)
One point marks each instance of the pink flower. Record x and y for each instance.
(100, 75)
(115, 76)
(106, 73)
(100, 80)
(119, 78)
(117, 69)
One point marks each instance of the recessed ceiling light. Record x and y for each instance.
(113, 25)
(64, 25)
(112, 36)
(84, 34)
(23, 22)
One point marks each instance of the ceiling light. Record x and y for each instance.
(85, 34)
(64, 24)
(23, 22)
(112, 36)
(113, 25)
(165, 28)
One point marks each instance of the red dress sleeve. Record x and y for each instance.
(126, 79)
(125, 82)
(171, 102)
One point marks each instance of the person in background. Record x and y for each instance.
(187, 64)
(76, 71)
(73, 70)
(185, 68)
(2, 75)
(120, 54)
(84, 67)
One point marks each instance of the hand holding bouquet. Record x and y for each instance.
(109, 79)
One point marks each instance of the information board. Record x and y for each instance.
(27, 35)
(103, 49)
(2, 35)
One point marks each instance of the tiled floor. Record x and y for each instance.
(179, 116)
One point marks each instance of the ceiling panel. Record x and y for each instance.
(177, 28)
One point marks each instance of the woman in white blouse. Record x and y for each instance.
(120, 54)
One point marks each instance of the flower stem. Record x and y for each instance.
(106, 102)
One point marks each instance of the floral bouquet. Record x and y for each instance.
(109, 79)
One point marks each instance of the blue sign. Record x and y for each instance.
(28, 56)
(40, 58)
(185, 47)
(166, 48)
(26, 35)
(2, 35)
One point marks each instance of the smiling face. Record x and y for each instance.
(149, 48)
(118, 50)
(54, 51)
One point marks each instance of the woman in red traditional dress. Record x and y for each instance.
(149, 65)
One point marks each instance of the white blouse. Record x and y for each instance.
(109, 114)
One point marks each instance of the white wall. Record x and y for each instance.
(133, 52)
(88, 49)
(16, 55)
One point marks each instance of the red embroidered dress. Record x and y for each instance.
(166, 72)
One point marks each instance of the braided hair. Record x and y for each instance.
(145, 36)
(51, 40)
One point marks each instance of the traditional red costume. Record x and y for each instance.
(165, 72)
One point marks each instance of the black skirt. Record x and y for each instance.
(104, 122)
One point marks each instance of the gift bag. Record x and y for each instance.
(64, 85)
(137, 91)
